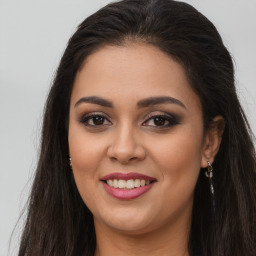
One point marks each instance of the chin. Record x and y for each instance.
(131, 221)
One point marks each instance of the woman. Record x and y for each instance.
(145, 147)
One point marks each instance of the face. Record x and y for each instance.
(135, 138)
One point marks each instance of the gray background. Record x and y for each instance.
(33, 35)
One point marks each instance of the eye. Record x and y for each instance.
(95, 120)
(161, 120)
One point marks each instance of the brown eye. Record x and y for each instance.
(159, 121)
(98, 120)
(94, 120)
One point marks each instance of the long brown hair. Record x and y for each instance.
(59, 223)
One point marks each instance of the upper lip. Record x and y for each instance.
(127, 176)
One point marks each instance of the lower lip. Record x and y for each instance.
(126, 194)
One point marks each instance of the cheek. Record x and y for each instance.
(84, 150)
(86, 155)
(179, 159)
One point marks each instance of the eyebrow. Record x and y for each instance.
(159, 100)
(95, 100)
(141, 104)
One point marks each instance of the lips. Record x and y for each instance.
(126, 176)
(127, 185)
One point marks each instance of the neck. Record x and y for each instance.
(171, 241)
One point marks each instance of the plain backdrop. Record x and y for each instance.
(33, 35)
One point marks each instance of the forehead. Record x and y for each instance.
(132, 72)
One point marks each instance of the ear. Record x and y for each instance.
(212, 140)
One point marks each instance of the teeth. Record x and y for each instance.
(137, 183)
(129, 184)
(121, 184)
(115, 184)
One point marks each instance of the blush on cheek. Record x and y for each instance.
(180, 160)
(85, 154)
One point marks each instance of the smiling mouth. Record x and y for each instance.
(128, 184)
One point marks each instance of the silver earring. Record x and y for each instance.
(209, 175)
(70, 163)
(209, 172)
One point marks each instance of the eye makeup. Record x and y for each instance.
(95, 120)
(161, 120)
(154, 120)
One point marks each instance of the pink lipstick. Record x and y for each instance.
(127, 186)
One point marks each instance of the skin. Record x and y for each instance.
(129, 140)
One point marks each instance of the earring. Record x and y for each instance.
(70, 163)
(209, 174)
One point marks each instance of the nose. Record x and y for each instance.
(125, 146)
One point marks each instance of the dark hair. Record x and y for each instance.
(59, 223)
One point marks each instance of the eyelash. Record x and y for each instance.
(171, 119)
(89, 117)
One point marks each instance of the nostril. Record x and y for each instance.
(126, 151)
(113, 158)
